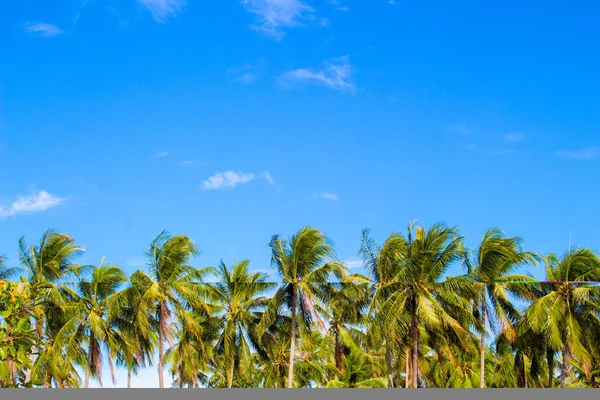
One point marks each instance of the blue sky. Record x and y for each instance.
(234, 120)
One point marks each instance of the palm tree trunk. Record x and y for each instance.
(563, 368)
(482, 341)
(293, 340)
(230, 375)
(525, 379)
(161, 345)
(12, 371)
(89, 361)
(39, 327)
(128, 378)
(550, 361)
(388, 362)
(339, 362)
(407, 379)
(414, 337)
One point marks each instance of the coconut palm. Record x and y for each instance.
(491, 267)
(418, 296)
(347, 305)
(241, 301)
(358, 372)
(382, 264)
(305, 265)
(171, 285)
(568, 313)
(44, 265)
(87, 315)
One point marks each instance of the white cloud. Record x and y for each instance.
(187, 163)
(42, 29)
(588, 153)
(463, 129)
(247, 74)
(227, 180)
(33, 203)
(353, 264)
(230, 179)
(327, 196)
(162, 154)
(161, 10)
(268, 177)
(336, 74)
(276, 15)
(337, 4)
(513, 137)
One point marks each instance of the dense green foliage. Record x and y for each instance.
(401, 323)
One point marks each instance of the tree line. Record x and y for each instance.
(400, 323)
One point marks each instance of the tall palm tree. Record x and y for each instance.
(382, 264)
(140, 338)
(45, 264)
(345, 313)
(241, 301)
(170, 285)
(417, 296)
(568, 313)
(491, 267)
(305, 265)
(87, 314)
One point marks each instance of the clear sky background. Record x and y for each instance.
(233, 120)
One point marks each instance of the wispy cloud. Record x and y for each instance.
(337, 4)
(230, 179)
(353, 263)
(33, 203)
(42, 29)
(268, 177)
(276, 15)
(248, 73)
(335, 74)
(227, 180)
(162, 154)
(588, 153)
(162, 10)
(463, 129)
(474, 147)
(189, 163)
(326, 196)
(513, 137)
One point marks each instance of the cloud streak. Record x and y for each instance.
(327, 196)
(336, 74)
(587, 153)
(162, 10)
(230, 179)
(30, 204)
(274, 16)
(42, 29)
(162, 154)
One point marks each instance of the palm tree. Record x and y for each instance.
(87, 314)
(170, 285)
(417, 296)
(358, 372)
(568, 313)
(239, 297)
(382, 264)
(304, 264)
(140, 338)
(347, 304)
(491, 267)
(45, 264)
